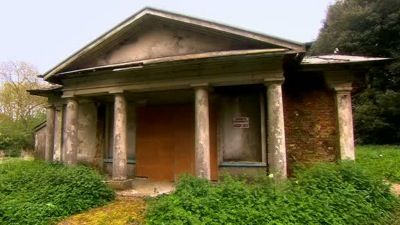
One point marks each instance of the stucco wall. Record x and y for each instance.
(310, 120)
(239, 144)
(40, 143)
(87, 121)
(160, 39)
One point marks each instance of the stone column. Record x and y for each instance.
(120, 169)
(276, 130)
(49, 133)
(344, 120)
(70, 136)
(202, 133)
(263, 130)
(58, 126)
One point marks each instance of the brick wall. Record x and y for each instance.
(310, 119)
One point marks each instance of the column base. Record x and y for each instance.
(120, 184)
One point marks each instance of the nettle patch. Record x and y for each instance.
(33, 192)
(323, 194)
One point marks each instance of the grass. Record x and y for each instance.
(381, 161)
(8, 159)
(120, 212)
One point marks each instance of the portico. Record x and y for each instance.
(134, 104)
(196, 97)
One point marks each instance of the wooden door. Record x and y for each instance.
(165, 142)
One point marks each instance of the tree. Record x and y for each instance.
(369, 28)
(19, 111)
(15, 102)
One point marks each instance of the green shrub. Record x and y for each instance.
(33, 192)
(323, 194)
(345, 194)
(17, 135)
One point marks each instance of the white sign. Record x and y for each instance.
(241, 122)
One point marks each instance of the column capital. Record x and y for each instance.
(68, 95)
(341, 87)
(205, 86)
(49, 106)
(71, 100)
(200, 85)
(117, 92)
(268, 81)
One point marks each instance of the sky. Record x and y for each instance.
(45, 32)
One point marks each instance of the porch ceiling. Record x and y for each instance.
(152, 98)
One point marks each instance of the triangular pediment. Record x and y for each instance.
(153, 34)
(157, 39)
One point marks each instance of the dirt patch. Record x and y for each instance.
(395, 188)
(145, 188)
(128, 209)
(123, 211)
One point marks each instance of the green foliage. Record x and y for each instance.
(361, 27)
(17, 135)
(370, 28)
(19, 111)
(323, 194)
(33, 192)
(376, 116)
(380, 161)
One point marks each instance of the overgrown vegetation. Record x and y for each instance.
(369, 28)
(20, 112)
(33, 192)
(323, 194)
(16, 135)
(380, 161)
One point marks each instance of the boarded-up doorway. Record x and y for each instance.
(165, 142)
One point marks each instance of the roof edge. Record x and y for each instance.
(296, 46)
(181, 58)
(39, 126)
(340, 59)
(92, 44)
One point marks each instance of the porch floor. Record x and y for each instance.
(146, 187)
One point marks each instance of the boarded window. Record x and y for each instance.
(239, 123)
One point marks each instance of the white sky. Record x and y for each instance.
(45, 32)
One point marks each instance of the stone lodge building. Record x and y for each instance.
(163, 94)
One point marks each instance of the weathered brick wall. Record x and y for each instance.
(310, 120)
